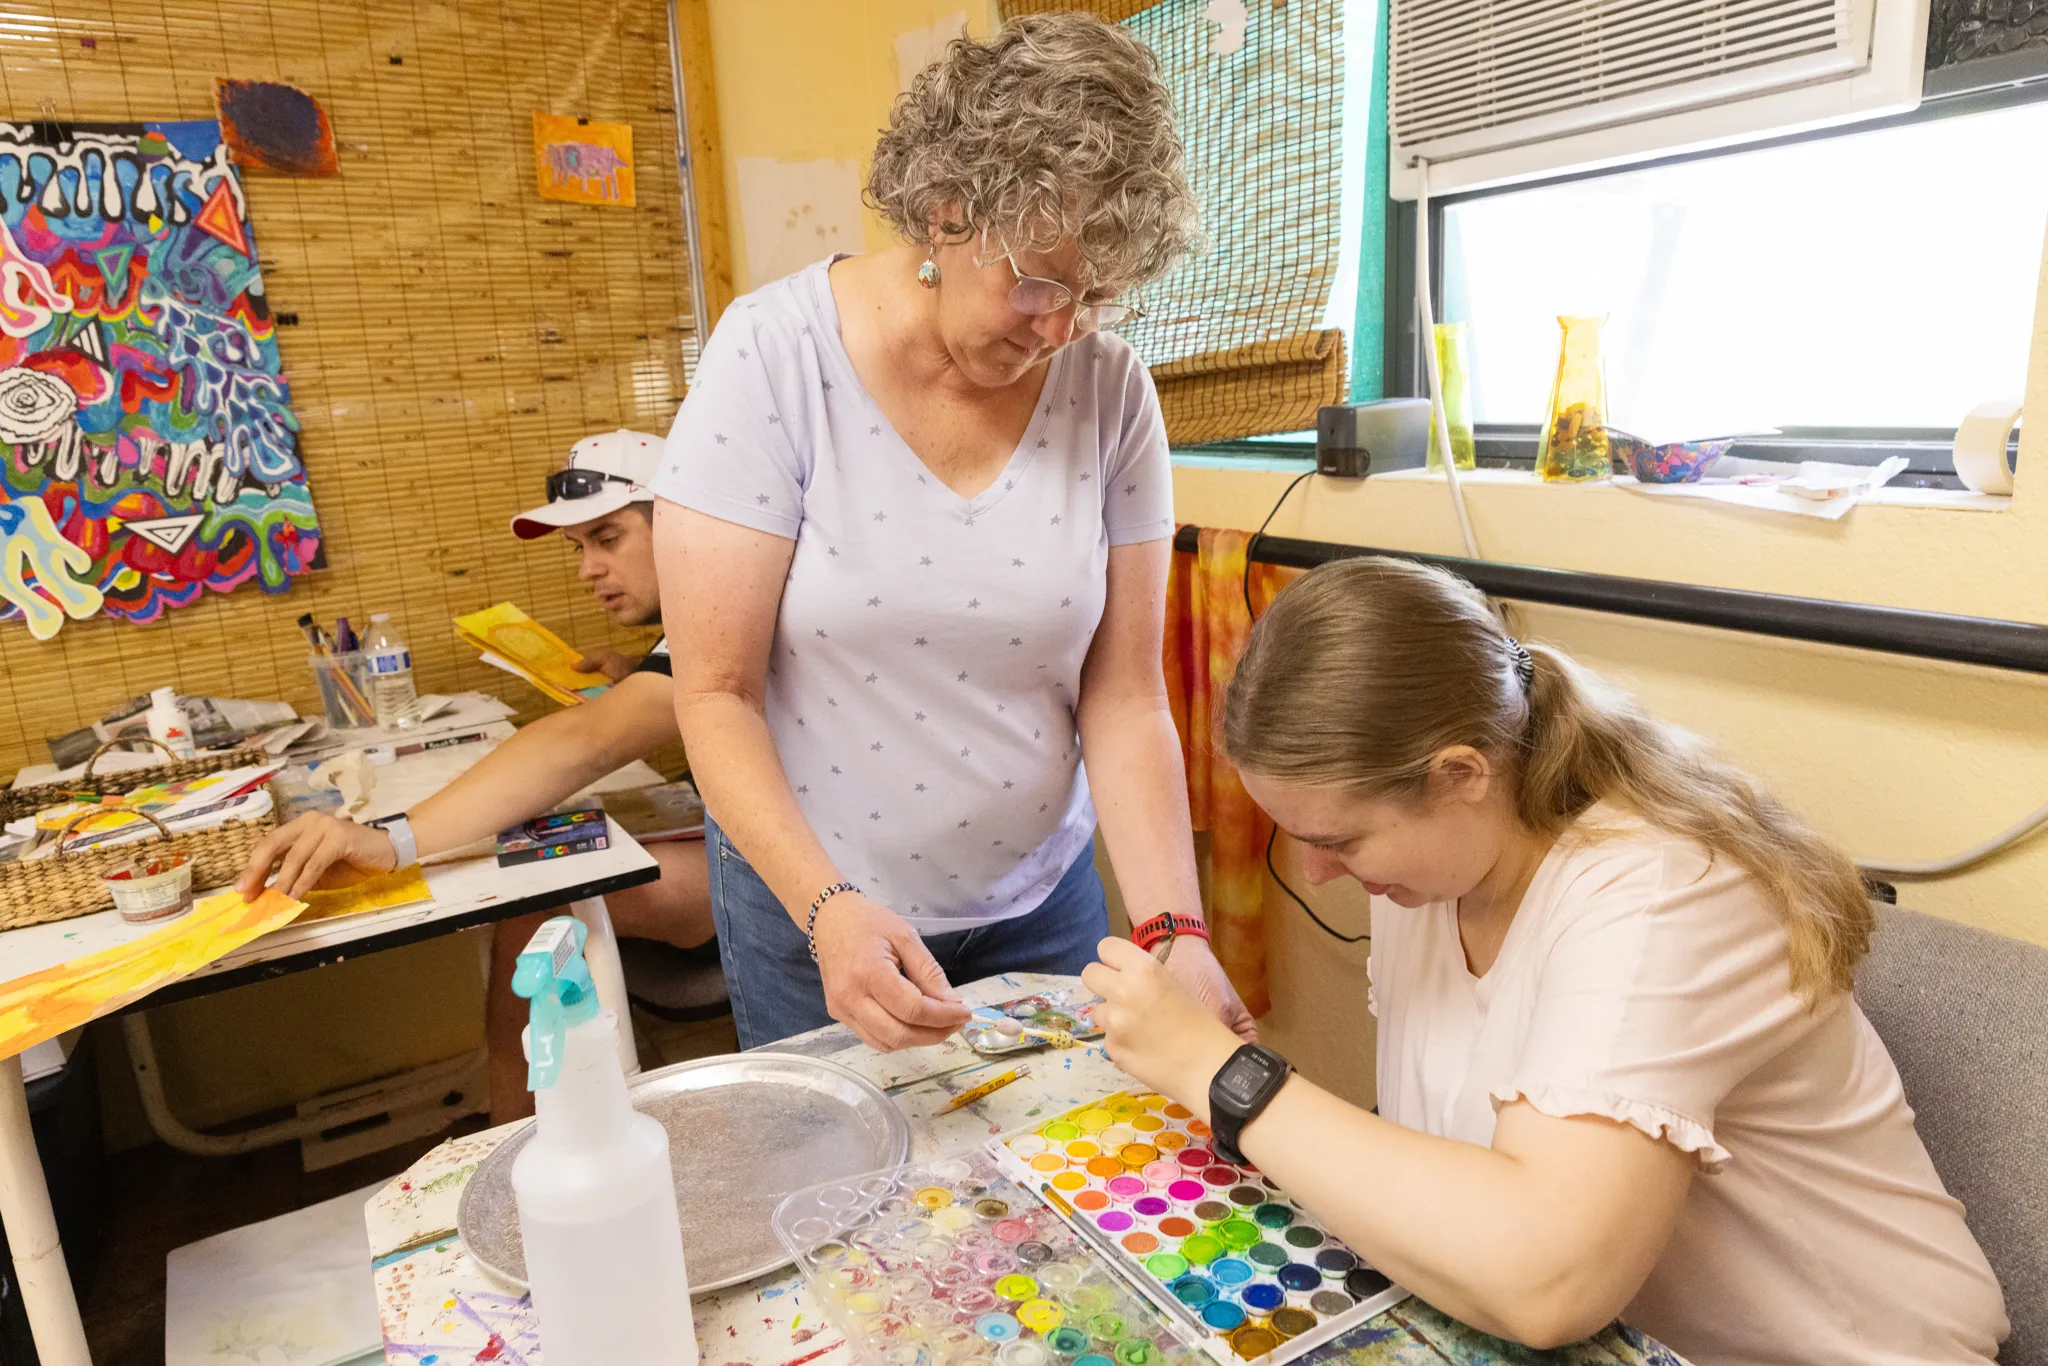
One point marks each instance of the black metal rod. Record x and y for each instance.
(1986, 641)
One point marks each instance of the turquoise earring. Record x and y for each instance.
(928, 273)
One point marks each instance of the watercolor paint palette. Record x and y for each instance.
(990, 1029)
(949, 1263)
(1243, 1271)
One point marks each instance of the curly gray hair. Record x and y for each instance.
(1059, 126)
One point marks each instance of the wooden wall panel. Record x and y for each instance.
(456, 332)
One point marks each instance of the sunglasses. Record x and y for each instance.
(1035, 296)
(574, 483)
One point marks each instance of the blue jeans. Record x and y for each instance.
(775, 987)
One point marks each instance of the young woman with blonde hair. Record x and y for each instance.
(1620, 1073)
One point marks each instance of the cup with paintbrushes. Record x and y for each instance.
(341, 676)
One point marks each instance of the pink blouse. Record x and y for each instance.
(1646, 983)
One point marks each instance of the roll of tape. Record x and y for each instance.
(1980, 446)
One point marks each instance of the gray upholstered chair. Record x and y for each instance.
(1965, 1015)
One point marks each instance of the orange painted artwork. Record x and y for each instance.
(343, 890)
(583, 161)
(45, 1004)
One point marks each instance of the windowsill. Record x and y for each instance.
(1957, 500)
(1285, 464)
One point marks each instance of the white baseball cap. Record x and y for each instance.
(616, 469)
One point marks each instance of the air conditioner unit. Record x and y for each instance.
(1497, 91)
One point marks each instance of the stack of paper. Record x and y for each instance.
(199, 803)
(511, 640)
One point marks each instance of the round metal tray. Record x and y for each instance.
(744, 1131)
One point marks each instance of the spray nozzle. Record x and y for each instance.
(552, 974)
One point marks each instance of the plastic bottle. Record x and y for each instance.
(597, 1202)
(390, 675)
(168, 723)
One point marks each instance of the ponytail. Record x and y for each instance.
(1364, 670)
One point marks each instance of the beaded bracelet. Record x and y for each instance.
(811, 921)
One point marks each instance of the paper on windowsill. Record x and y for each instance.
(1815, 488)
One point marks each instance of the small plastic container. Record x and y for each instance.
(148, 890)
(344, 689)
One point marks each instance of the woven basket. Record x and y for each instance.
(27, 801)
(70, 883)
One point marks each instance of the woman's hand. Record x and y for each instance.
(307, 847)
(880, 980)
(1193, 966)
(1154, 1029)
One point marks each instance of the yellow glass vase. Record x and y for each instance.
(1451, 372)
(1574, 442)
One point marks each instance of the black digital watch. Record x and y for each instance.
(1239, 1092)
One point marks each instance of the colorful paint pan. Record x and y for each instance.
(1217, 1245)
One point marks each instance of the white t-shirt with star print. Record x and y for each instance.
(927, 656)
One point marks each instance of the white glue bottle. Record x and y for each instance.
(169, 725)
(597, 1202)
(389, 664)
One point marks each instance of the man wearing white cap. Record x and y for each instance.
(600, 504)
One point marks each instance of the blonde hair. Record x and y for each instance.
(1058, 127)
(1365, 670)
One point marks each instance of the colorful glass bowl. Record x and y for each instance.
(1679, 462)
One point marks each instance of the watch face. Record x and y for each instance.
(1245, 1076)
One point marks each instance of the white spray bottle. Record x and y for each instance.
(597, 1203)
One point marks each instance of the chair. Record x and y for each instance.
(678, 985)
(1965, 1015)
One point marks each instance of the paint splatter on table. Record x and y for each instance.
(438, 1308)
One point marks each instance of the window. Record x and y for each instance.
(1878, 281)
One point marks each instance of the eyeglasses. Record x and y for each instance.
(1035, 296)
(575, 483)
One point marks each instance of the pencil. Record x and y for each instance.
(996, 1083)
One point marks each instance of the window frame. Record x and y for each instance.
(1977, 87)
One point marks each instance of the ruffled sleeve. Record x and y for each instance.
(1663, 984)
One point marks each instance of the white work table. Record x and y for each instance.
(466, 893)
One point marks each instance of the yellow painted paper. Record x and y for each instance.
(45, 1004)
(378, 892)
(583, 162)
(542, 657)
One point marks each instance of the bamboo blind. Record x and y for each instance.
(1234, 334)
(455, 332)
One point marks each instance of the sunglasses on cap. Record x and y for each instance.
(574, 483)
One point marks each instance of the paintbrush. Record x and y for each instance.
(352, 696)
(996, 1083)
(1017, 1029)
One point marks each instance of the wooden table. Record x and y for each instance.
(466, 894)
(439, 1309)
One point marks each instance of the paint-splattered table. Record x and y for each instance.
(439, 1309)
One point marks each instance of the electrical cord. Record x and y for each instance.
(1936, 868)
(1251, 546)
(1321, 924)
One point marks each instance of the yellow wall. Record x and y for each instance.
(809, 80)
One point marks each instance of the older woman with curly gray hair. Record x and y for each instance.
(913, 548)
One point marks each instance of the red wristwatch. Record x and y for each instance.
(1168, 926)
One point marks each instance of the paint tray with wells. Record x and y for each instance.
(1052, 1018)
(949, 1263)
(1242, 1270)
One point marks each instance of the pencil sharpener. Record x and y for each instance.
(1354, 440)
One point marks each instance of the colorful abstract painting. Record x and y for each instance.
(276, 128)
(582, 161)
(148, 451)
